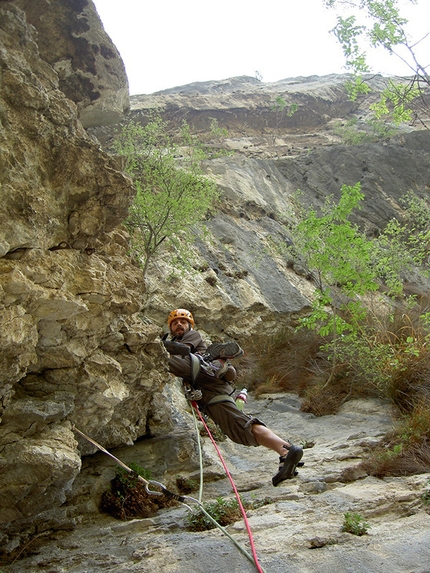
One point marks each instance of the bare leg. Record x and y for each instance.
(268, 439)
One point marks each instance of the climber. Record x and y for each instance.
(209, 371)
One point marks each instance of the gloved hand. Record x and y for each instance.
(176, 348)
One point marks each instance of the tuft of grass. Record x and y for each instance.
(354, 523)
(128, 478)
(223, 511)
(425, 497)
(406, 451)
(286, 361)
(186, 485)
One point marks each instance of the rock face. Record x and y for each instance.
(78, 324)
(73, 348)
(300, 530)
(239, 288)
(275, 155)
(269, 120)
(71, 38)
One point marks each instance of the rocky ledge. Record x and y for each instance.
(299, 531)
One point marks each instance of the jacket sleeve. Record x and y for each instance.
(195, 340)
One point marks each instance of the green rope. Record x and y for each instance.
(199, 443)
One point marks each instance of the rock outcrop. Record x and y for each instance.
(91, 73)
(73, 347)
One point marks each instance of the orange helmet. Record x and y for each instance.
(180, 313)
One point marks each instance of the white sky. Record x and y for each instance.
(169, 43)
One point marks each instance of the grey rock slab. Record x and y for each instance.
(300, 531)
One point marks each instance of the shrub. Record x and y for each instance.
(186, 485)
(172, 191)
(355, 524)
(406, 450)
(425, 497)
(128, 499)
(223, 511)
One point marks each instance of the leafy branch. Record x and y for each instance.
(385, 28)
(172, 191)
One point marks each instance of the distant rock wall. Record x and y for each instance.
(241, 288)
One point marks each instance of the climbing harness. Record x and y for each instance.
(221, 398)
(162, 490)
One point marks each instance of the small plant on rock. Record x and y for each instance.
(223, 511)
(186, 485)
(128, 498)
(426, 495)
(354, 523)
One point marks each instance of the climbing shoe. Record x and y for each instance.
(176, 348)
(223, 350)
(288, 464)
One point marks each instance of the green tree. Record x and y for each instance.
(282, 109)
(380, 24)
(404, 244)
(340, 255)
(172, 191)
(350, 268)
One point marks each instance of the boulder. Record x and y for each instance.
(91, 73)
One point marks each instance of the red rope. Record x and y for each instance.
(236, 493)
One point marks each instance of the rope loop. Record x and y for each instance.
(164, 491)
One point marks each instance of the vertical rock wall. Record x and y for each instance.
(91, 73)
(73, 346)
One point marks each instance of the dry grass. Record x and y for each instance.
(412, 460)
(407, 450)
(288, 361)
(292, 361)
(411, 385)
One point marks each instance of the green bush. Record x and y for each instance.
(426, 495)
(127, 497)
(223, 511)
(172, 191)
(355, 524)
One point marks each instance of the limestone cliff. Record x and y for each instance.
(79, 326)
(91, 73)
(73, 347)
(240, 288)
